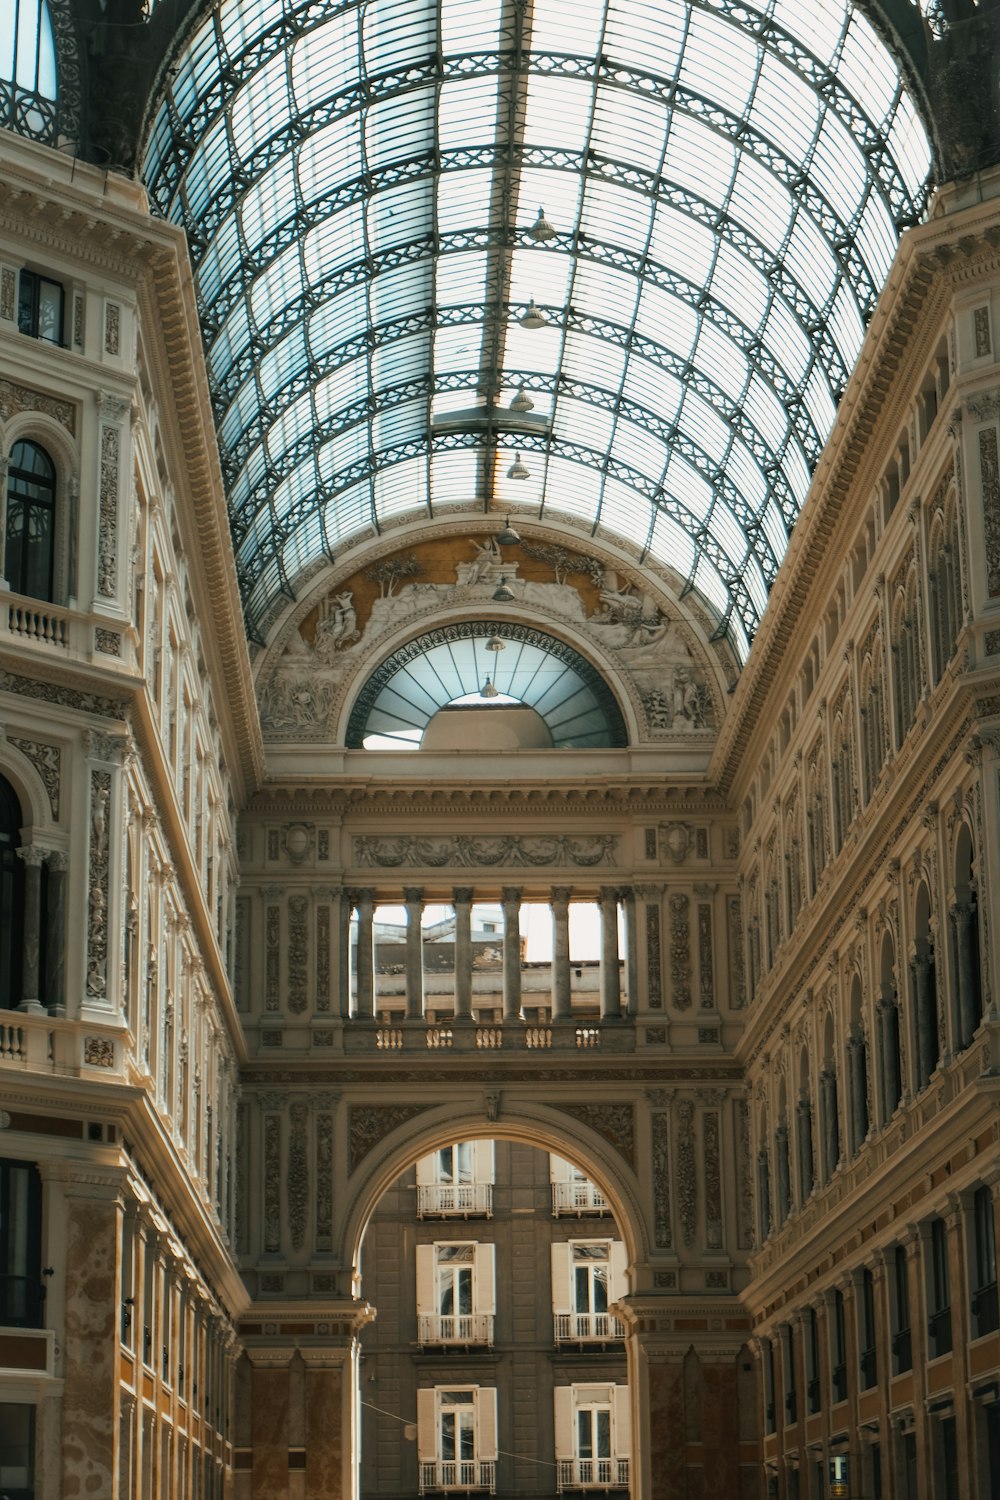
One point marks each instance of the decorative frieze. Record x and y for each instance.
(298, 1174)
(97, 936)
(272, 957)
(990, 476)
(734, 925)
(615, 1122)
(46, 760)
(713, 1180)
(705, 969)
(369, 1124)
(654, 972)
(663, 1233)
(323, 958)
(467, 851)
(680, 951)
(107, 538)
(298, 961)
(687, 1175)
(112, 328)
(272, 1183)
(16, 398)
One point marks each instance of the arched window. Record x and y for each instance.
(829, 1104)
(967, 985)
(857, 1055)
(11, 897)
(27, 69)
(804, 1129)
(29, 555)
(923, 984)
(945, 584)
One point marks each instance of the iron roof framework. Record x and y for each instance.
(727, 182)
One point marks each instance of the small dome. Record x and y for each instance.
(473, 727)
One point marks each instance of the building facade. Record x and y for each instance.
(744, 1164)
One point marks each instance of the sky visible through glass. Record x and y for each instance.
(725, 185)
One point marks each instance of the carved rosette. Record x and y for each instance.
(614, 1122)
(369, 1124)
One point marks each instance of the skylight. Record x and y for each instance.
(726, 182)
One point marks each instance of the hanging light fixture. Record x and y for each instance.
(534, 317)
(495, 643)
(518, 470)
(489, 690)
(507, 536)
(542, 230)
(522, 401)
(503, 593)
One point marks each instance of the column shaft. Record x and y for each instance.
(366, 956)
(414, 900)
(562, 996)
(967, 1017)
(462, 900)
(55, 935)
(32, 935)
(611, 984)
(510, 898)
(344, 953)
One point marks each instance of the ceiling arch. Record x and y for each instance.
(724, 182)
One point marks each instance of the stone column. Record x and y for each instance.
(782, 1174)
(859, 1090)
(32, 857)
(631, 951)
(510, 898)
(414, 901)
(968, 1018)
(888, 1021)
(4, 464)
(562, 994)
(831, 1143)
(344, 910)
(611, 984)
(804, 1146)
(462, 901)
(365, 1006)
(55, 935)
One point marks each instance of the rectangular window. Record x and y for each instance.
(572, 1191)
(21, 1298)
(868, 1362)
(456, 1438)
(456, 1297)
(592, 1430)
(938, 1291)
(17, 1450)
(838, 1349)
(587, 1277)
(984, 1264)
(902, 1356)
(811, 1332)
(40, 305)
(457, 1179)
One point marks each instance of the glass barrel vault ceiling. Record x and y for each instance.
(726, 180)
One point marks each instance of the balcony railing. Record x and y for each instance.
(581, 1328)
(459, 1474)
(592, 1474)
(577, 1198)
(455, 1328)
(464, 1199)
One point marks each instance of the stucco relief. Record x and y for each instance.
(615, 1122)
(369, 1124)
(463, 851)
(300, 692)
(46, 760)
(17, 398)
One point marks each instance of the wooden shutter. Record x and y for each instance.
(617, 1271)
(427, 1170)
(426, 1299)
(427, 1426)
(562, 1278)
(486, 1423)
(484, 1280)
(565, 1416)
(483, 1169)
(559, 1170)
(621, 1408)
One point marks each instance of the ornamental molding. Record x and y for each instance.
(369, 1124)
(614, 1122)
(466, 851)
(16, 398)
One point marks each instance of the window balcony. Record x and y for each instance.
(455, 1328)
(591, 1474)
(459, 1474)
(455, 1200)
(577, 1198)
(586, 1328)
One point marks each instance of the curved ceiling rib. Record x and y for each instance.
(726, 181)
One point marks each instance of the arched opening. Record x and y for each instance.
(29, 543)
